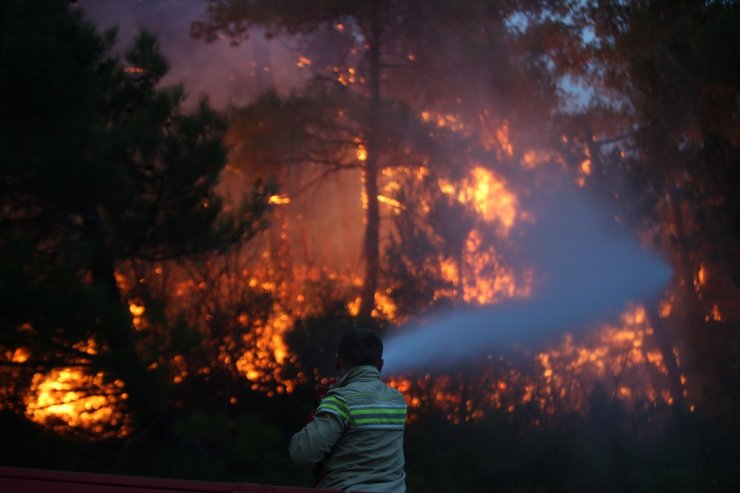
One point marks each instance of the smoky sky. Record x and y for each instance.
(322, 231)
(228, 75)
(587, 271)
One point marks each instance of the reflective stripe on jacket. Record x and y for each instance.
(356, 435)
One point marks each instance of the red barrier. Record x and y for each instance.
(20, 480)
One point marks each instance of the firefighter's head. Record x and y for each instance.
(360, 347)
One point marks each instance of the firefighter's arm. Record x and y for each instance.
(314, 442)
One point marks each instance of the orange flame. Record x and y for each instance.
(568, 373)
(303, 61)
(278, 200)
(503, 135)
(488, 195)
(69, 398)
(361, 153)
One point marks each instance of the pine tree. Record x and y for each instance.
(99, 166)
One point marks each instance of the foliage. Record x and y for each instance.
(99, 166)
(673, 106)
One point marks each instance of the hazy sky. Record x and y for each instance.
(227, 74)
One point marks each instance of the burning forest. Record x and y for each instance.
(533, 204)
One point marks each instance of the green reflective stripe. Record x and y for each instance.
(333, 409)
(336, 402)
(380, 419)
(335, 412)
(334, 405)
(398, 427)
(373, 396)
(378, 410)
(378, 413)
(392, 421)
(335, 399)
(397, 405)
(364, 421)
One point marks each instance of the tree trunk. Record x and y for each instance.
(663, 339)
(372, 226)
(122, 359)
(460, 277)
(685, 279)
(660, 333)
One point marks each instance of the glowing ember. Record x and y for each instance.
(262, 364)
(532, 158)
(394, 204)
(303, 61)
(665, 309)
(715, 314)
(278, 200)
(361, 153)
(586, 167)
(701, 278)
(384, 307)
(445, 120)
(504, 139)
(19, 355)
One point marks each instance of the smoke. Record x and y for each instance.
(228, 75)
(588, 271)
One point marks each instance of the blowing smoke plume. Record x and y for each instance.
(588, 271)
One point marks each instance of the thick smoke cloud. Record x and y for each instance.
(588, 271)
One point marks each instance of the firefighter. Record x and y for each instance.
(356, 434)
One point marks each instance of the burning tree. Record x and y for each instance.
(660, 123)
(382, 50)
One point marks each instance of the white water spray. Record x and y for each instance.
(590, 272)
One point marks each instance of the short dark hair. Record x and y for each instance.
(360, 347)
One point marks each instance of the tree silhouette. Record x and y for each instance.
(99, 166)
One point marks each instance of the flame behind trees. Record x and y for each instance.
(370, 38)
(679, 145)
(430, 259)
(269, 133)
